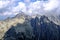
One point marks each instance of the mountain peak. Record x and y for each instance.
(44, 19)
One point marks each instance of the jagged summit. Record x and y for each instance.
(44, 19)
(54, 18)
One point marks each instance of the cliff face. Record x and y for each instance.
(44, 29)
(23, 27)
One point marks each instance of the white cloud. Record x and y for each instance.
(52, 4)
(40, 7)
(20, 7)
(4, 4)
(37, 7)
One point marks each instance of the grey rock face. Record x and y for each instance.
(34, 29)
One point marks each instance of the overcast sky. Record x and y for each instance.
(12, 7)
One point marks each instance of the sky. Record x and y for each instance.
(9, 8)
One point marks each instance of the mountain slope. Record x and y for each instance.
(40, 28)
(44, 29)
(26, 27)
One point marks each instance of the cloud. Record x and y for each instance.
(20, 7)
(3, 4)
(6, 6)
(9, 7)
(35, 7)
(52, 4)
(42, 7)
